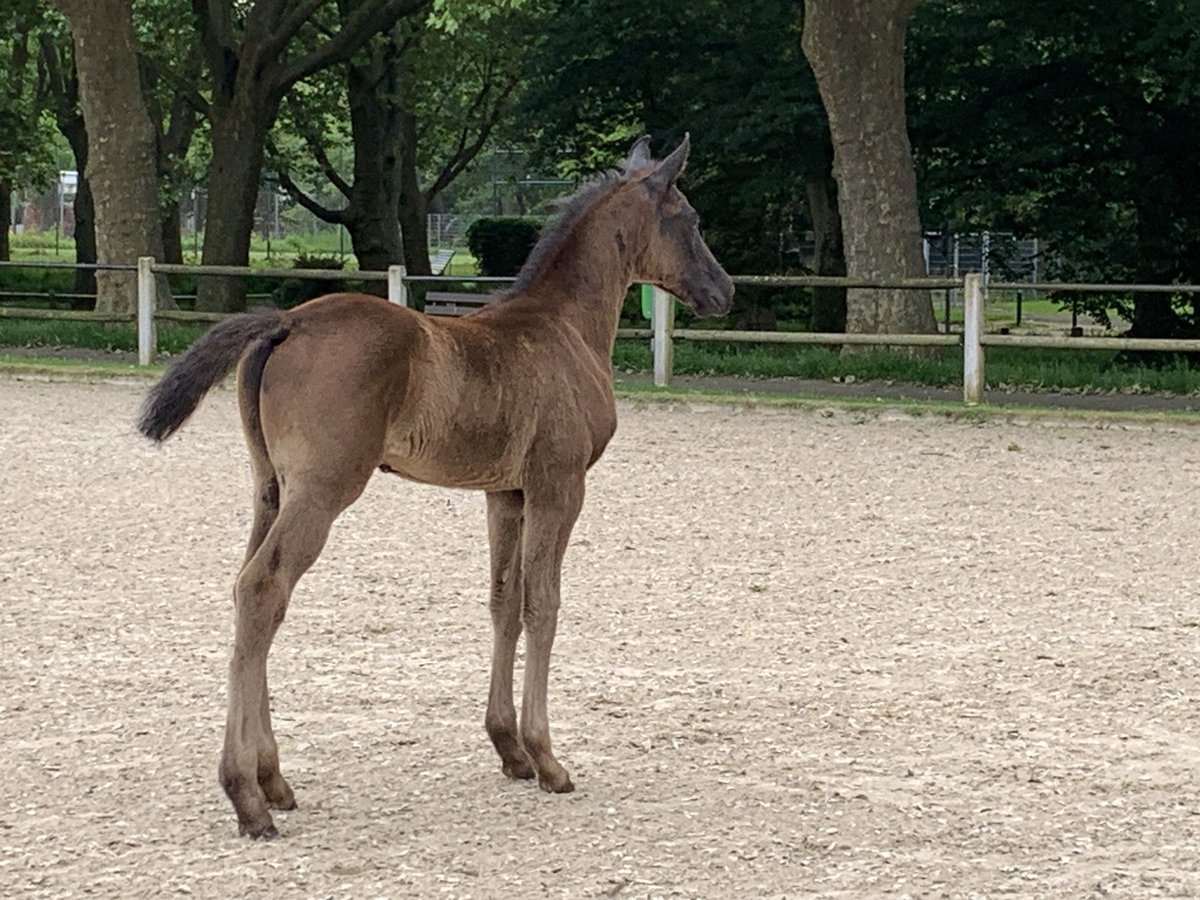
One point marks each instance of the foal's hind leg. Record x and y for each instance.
(505, 509)
(549, 517)
(249, 770)
(266, 509)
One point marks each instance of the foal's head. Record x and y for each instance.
(674, 255)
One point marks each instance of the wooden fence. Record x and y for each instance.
(663, 333)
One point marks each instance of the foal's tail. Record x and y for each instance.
(177, 394)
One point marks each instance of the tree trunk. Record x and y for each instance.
(414, 205)
(375, 235)
(85, 235)
(172, 233)
(414, 232)
(1154, 316)
(5, 218)
(828, 303)
(63, 84)
(121, 156)
(856, 50)
(239, 130)
(373, 215)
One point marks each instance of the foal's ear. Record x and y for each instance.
(639, 155)
(670, 168)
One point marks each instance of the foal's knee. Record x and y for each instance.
(261, 593)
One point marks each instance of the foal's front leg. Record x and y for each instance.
(549, 517)
(505, 510)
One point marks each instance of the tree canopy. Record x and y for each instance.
(1073, 123)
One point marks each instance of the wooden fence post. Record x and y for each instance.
(663, 323)
(147, 295)
(397, 292)
(973, 354)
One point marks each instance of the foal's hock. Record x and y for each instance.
(515, 400)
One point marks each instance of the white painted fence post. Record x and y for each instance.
(147, 295)
(972, 332)
(397, 292)
(663, 323)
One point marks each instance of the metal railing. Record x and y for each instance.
(663, 333)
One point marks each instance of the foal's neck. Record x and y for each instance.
(588, 281)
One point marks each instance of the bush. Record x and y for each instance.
(501, 245)
(294, 291)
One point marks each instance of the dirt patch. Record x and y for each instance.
(799, 654)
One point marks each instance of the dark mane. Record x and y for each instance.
(557, 232)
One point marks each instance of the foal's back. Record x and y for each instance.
(471, 402)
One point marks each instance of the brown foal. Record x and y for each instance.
(515, 400)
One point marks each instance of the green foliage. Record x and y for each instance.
(92, 335)
(501, 245)
(1078, 126)
(449, 15)
(731, 74)
(31, 285)
(26, 128)
(294, 291)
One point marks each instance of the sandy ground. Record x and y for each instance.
(801, 653)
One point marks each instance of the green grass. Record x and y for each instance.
(1032, 369)
(91, 335)
(857, 409)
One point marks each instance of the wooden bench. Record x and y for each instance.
(439, 303)
(439, 261)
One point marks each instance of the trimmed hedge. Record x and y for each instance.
(293, 291)
(501, 245)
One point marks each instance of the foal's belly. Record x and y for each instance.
(484, 463)
(426, 473)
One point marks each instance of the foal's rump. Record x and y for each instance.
(327, 392)
(324, 359)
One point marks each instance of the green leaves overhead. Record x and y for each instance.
(731, 74)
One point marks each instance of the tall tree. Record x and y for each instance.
(24, 136)
(60, 89)
(856, 50)
(611, 69)
(456, 87)
(312, 128)
(256, 53)
(422, 105)
(171, 65)
(121, 154)
(1075, 123)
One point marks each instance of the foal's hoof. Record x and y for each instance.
(269, 833)
(279, 796)
(560, 785)
(522, 770)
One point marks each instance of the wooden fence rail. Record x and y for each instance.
(662, 332)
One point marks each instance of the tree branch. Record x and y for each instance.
(183, 85)
(372, 17)
(465, 154)
(283, 31)
(214, 23)
(178, 136)
(317, 147)
(332, 216)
